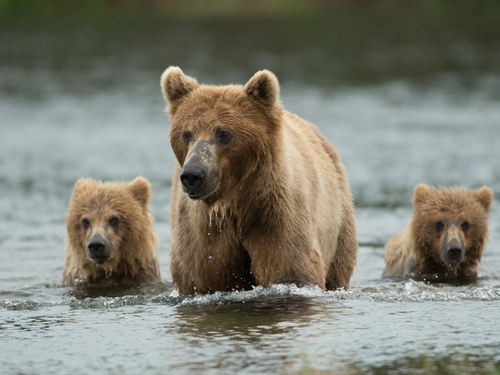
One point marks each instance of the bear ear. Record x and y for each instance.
(484, 195)
(140, 189)
(421, 193)
(175, 86)
(264, 88)
(82, 184)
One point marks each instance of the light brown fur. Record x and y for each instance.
(278, 208)
(438, 217)
(131, 243)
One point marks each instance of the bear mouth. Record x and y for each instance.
(453, 263)
(100, 259)
(194, 196)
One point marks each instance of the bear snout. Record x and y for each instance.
(96, 248)
(454, 252)
(192, 178)
(199, 175)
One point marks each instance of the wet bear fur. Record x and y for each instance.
(110, 234)
(258, 195)
(447, 233)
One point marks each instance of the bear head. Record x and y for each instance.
(104, 216)
(451, 225)
(220, 134)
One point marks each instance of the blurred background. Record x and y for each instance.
(407, 92)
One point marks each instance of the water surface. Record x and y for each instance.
(403, 100)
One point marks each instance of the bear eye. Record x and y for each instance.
(224, 137)
(465, 226)
(439, 226)
(114, 221)
(186, 137)
(85, 223)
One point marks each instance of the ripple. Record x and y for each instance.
(108, 303)
(24, 305)
(415, 291)
(406, 291)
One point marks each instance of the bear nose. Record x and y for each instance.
(454, 253)
(193, 177)
(96, 246)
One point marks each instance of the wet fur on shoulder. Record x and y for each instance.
(447, 233)
(110, 234)
(258, 195)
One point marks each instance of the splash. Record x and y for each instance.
(416, 291)
(257, 293)
(112, 297)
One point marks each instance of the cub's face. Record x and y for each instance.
(451, 236)
(451, 224)
(102, 217)
(103, 232)
(219, 134)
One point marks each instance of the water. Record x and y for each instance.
(402, 103)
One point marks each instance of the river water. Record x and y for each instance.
(404, 100)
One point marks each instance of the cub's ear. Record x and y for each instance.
(421, 193)
(80, 183)
(83, 184)
(140, 189)
(175, 86)
(484, 195)
(264, 88)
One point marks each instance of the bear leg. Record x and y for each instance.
(344, 260)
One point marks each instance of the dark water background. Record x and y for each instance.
(405, 99)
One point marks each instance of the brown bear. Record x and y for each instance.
(110, 234)
(446, 235)
(258, 195)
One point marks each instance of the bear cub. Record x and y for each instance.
(446, 235)
(110, 234)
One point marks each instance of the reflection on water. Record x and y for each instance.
(264, 323)
(250, 320)
(405, 99)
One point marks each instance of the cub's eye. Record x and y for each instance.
(465, 226)
(186, 137)
(224, 137)
(85, 224)
(114, 221)
(439, 226)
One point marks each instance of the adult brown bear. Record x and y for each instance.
(447, 233)
(258, 195)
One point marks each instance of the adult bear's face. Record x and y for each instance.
(220, 135)
(217, 144)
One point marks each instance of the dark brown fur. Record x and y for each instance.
(116, 213)
(443, 219)
(277, 205)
